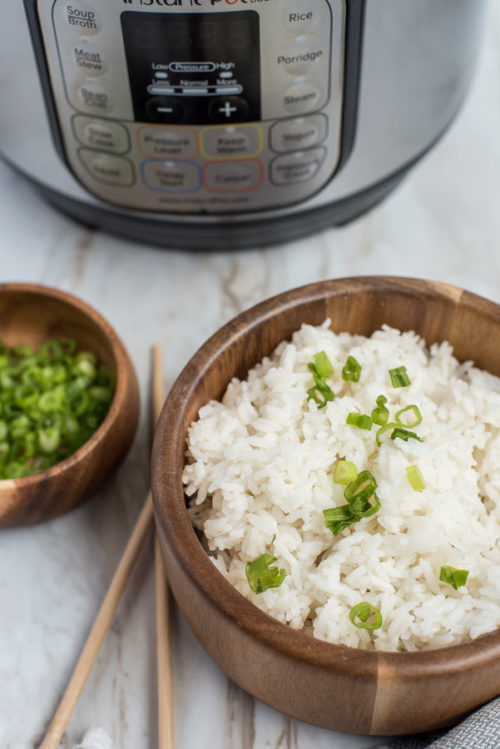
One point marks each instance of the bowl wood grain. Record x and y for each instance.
(32, 314)
(333, 686)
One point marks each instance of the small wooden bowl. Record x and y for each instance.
(332, 686)
(31, 314)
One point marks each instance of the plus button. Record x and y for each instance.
(227, 109)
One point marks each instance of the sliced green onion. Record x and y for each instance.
(383, 430)
(49, 439)
(365, 616)
(380, 414)
(415, 478)
(360, 494)
(323, 365)
(362, 421)
(345, 472)
(417, 416)
(351, 371)
(261, 576)
(399, 377)
(404, 434)
(455, 578)
(337, 519)
(363, 486)
(321, 393)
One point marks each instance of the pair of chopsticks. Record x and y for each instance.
(109, 605)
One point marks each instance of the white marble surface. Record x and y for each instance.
(443, 223)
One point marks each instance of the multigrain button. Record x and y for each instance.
(301, 16)
(234, 176)
(231, 142)
(101, 134)
(171, 142)
(171, 176)
(87, 58)
(301, 98)
(300, 56)
(81, 18)
(297, 167)
(299, 133)
(113, 170)
(93, 98)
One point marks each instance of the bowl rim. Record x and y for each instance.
(186, 549)
(121, 362)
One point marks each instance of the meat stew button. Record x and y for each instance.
(297, 167)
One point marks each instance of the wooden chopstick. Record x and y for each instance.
(109, 605)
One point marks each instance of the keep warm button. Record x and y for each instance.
(297, 167)
(233, 176)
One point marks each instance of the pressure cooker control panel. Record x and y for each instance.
(198, 106)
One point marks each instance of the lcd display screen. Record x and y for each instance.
(193, 68)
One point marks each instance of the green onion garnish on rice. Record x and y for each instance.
(365, 616)
(323, 365)
(359, 494)
(362, 421)
(386, 428)
(415, 478)
(345, 472)
(455, 578)
(409, 422)
(337, 519)
(380, 414)
(399, 377)
(351, 371)
(261, 576)
(404, 434)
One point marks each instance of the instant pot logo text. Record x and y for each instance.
(193, 3)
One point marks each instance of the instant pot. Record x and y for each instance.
(227, 123)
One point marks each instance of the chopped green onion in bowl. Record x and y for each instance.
(51, 402)
(365, 616)
(261, 576)
(452, 576)
(399, 377)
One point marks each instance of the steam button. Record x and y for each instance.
(112, 170)
(301, 98)
(81, 18)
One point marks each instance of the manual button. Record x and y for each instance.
(113, 170)
(297, 167)
(234, 176)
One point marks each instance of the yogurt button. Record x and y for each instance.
(294, 135)
(81, 18)
(301, 97)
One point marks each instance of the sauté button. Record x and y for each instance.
(101, 134)
(301, 16)
(94, 98)
(301, 98)
(164, 109)
(88, 58)
(234, 176)
(231, 142)
(162, 142)
(228, 109)
(297, 167)
(113, 170)
(82, 18)
(171, 176)
(302, 132)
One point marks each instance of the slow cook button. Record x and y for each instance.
(300, 56)
(297, 167)
(88, 58)
(94, 98)
(113, 170)
(235, 176)
(301, 98)
(82, 18)
(231, 142)
(171, 176)
(303, 132)
(168, 142)
(302, 16)
(100, 134)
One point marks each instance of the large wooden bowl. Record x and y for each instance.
(33, 314)
(329, 685)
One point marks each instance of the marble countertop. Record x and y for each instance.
(443, 223)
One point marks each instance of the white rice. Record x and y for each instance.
(260, 470)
